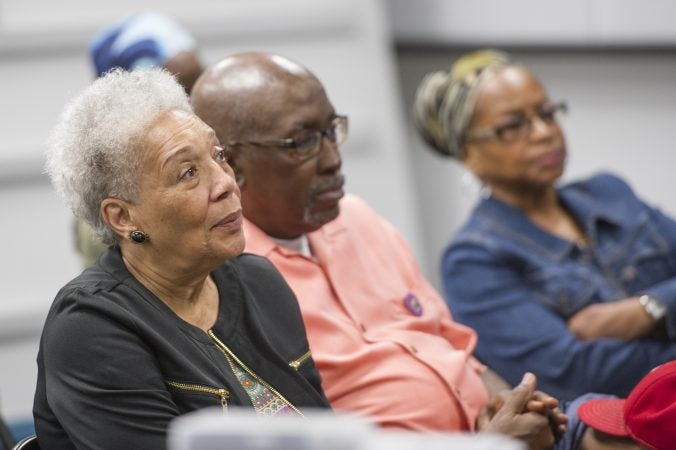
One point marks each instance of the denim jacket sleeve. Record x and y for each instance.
(649, 243)
(665, 290)
(517, 333)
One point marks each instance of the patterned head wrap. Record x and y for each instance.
(445, 100)
(143, 40)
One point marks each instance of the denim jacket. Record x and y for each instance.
(517, 285)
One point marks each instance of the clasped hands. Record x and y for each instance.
(525, 414)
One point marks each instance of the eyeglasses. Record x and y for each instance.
(308, 144)
(519, 127)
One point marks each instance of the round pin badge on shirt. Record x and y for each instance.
(412, 303)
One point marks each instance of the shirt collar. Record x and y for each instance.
(509, 222)
(299, 245)
(584, 207)
(259, 243)
(589, 210)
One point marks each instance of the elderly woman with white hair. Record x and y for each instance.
(171, 318)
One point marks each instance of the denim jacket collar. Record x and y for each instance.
(509, 221)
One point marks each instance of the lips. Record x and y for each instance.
(331, 194)
(330, 190)
(554, 158)
(232, 221)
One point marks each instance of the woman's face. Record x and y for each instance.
(188, 203)
(534, 155)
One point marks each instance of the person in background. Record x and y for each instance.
(382, 337)
(644, 420)
(142, 40)
(172, 318)
(147, 40)
(575, 283)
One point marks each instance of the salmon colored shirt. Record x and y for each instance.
(382, 337)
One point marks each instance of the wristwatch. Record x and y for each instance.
(654, 307)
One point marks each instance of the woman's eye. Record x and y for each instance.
(188, 173)
(221, 154)
(511, 129)
(547, 113)
(512, 125)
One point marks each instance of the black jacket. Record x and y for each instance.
(116, 365)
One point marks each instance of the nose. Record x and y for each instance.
(329, 160)
(222, 182)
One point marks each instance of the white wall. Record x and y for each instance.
(43, 62)
(535, 22)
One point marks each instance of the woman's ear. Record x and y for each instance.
(468, 156)
(474, 160)
(116, 213)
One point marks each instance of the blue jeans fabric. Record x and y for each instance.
(572, 438)
(517, 285)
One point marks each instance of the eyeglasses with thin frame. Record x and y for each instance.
(308, 144)
(520, 126)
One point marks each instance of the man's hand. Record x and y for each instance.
(622, 319)
(511, 415)
(499, 391)
(546, 404)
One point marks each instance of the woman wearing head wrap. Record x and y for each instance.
(171, 318)
(575, 283)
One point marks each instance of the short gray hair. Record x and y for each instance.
(92, 153)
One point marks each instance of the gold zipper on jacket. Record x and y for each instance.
(228, 353)
(222, 393)
(295, 364)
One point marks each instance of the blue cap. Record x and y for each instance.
(143, 40)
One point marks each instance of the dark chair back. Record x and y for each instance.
(6, 438)
(27, 443)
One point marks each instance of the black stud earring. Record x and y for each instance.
(138, 236)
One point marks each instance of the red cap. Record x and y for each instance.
(648, 414)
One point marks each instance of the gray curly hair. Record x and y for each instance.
(92, 153)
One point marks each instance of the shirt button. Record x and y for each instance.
(564, 300)
(584, 256)
(628, 273)
(458, 394)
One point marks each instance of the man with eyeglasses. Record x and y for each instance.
(381, 336)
